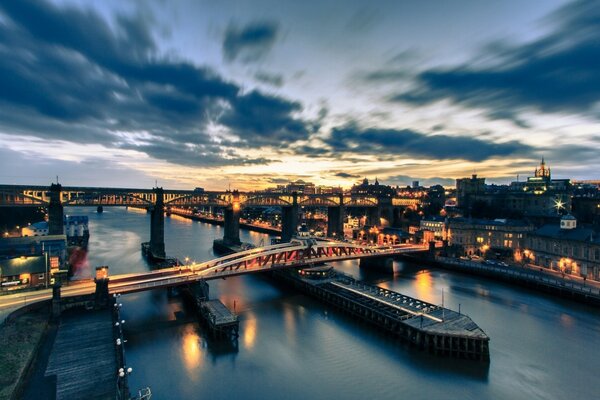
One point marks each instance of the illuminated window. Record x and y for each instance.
(54, 263)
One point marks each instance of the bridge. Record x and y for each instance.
(261, 259)
(257, 260)
(159, 200)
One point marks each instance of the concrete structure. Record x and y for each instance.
(289, 220)
(565, 247)
(157, 226)
(335, 220)
(55, 211)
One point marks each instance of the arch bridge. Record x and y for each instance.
(263, 259)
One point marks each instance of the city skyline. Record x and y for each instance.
(250, 96)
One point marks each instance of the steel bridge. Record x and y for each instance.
(42, 196)
(159, 200)
(256, 260)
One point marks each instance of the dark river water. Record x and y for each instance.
(293, 347)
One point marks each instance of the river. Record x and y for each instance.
(294, 347)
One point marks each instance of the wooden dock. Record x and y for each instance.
(83, 357)
(221, 321)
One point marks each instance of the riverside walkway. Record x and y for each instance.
(543, 279)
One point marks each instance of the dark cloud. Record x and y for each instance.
(67, 74)
(346, 175)
(269, 78)
(265, 120)
(556, 73)
(249, 43)
(353, 139)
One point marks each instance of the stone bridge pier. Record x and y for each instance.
(157, 225)
(231, 223)
(335, 220)
(55, 211)
(289, 220)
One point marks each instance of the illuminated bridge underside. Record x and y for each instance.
(255, 260)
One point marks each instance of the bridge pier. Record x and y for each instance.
(56, 306)
(101, 297)
(335, 221)
(373, 216)
(289, 220)
(56, 224)
(386, 212)
(231, 216)
(157, 226)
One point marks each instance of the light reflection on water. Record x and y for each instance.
(294, 347)
(191, 353)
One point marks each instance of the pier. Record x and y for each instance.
(427, 326)
(221, 321)
(83, 357)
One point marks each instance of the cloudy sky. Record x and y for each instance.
(252, 93)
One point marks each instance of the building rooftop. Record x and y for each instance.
(495, 222)
(575, 234)
(22, 265)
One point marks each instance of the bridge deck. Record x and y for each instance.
(417, 313)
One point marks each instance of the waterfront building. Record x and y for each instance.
(565, 247)
(75, 226)
(480, 236)
(55, 246)
(35, 229)
(437, 225)
(23, 271)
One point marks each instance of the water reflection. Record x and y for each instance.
(249, 331)
(424, 286)
(190, 351)
(566, 320)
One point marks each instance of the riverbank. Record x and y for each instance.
(525, 277)
(220, 222)
(21, 338)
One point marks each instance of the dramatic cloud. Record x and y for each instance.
(354, 139)
(405, 180)
(345, 175)
(265, 120)
(270, 79)
(66, 73)
(249, 43)
(556, 73)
